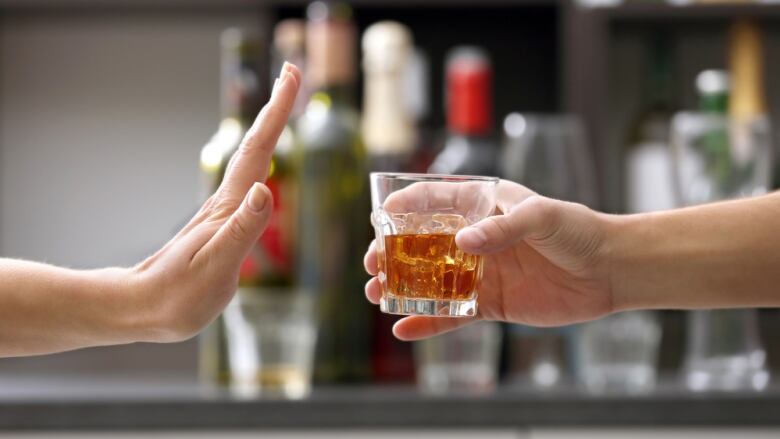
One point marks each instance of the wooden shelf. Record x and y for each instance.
(654, 11)
(223, 4)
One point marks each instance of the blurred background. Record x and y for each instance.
(118, 117)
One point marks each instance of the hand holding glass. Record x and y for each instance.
(416, 217)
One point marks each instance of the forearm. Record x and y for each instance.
(46, 309)
(712, 256)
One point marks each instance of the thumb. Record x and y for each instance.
(240, 232)
(536, 218)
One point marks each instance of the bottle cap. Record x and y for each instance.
(330, 44)
(290, 37)
(386, 47)
(712, 82)
(469, 91)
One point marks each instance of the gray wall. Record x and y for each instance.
(102, 116)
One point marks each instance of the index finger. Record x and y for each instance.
(250, 163)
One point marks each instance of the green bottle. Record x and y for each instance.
(333, 222)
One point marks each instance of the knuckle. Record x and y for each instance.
(223, 207)
(237, 230)
(502, 227)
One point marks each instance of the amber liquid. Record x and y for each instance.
(429, 266)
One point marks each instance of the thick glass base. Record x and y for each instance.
(392, 304)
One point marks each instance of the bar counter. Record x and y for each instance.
(127, 404)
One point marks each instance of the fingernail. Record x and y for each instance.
(257, 199)
(285, 68)
(275, 87)
(474, 237)
(283, 79)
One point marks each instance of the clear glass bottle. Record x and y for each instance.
(722, 155)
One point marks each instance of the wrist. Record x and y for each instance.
(120, 318)
(620, 242)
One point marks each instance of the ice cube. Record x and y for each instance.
(450, 223)
(399, 222)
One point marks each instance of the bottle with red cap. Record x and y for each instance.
(470, 147)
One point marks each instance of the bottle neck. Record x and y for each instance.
(330, 55)
(386, 126)
(469, 101)
(714, 103)
(746, 65)
(240, 90)
(338, 95)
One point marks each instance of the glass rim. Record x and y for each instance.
(411, 176)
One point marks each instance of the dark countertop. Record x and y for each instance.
(168, 404)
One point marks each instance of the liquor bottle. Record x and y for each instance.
(240, 102)
(334, 200)
(389, 135)
(747, 106)
(387, 128)
(470, 147)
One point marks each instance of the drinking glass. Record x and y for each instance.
(549, 154)
(464, 361)
(271, 339)
(416, 217)
(618, 354)
(539, 357)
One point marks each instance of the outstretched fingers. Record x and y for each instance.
(251, 161)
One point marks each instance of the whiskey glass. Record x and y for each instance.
(416, 218)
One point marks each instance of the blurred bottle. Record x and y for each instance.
(726, 155)
(240, 102)
(389, 135)
(648, 170)
(720, 157)
(470, 147)
(387, 127)
(747, 106)
(334, 203)
(466, 360)
(418, 103)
